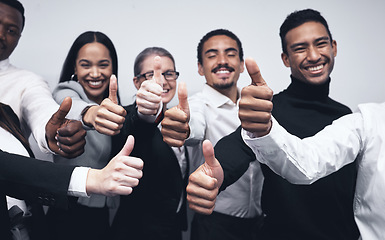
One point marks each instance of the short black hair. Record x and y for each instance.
(16, 5)
(219, 32)
(298, 18)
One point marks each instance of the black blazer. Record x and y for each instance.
(150, 211)
(33, 180)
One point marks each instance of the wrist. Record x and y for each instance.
(92, 182)
(87, 116)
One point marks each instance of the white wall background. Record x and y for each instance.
(358, 27)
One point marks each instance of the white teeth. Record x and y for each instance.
(165, 90)
(223, 71)
(316, 68)
(95, 83)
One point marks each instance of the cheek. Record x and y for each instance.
(81, 74)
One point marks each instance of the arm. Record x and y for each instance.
(48, 183)
(299, 161)
(234, 156)
(305, 161)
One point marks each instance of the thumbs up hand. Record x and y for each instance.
(175, 127)
(108, 117)
(120, 175)
(149, 95)
(65, 137)
(204, 183)
(255, 105)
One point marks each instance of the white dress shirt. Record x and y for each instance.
(213, 116)
(359, 136)
(30, 98)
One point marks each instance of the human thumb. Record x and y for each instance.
(59, 116)
(212, 167)
(158, 71)
(128, 146)
(182, 97)
(254, 72)
(113, 89)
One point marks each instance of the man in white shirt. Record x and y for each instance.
(357, 136)
(29, 95)
(213, 114)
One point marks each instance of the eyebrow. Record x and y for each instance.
(85, 60)
(304, 43)
(226, 50)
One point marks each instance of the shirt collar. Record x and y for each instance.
(216, 98)
(4, 64)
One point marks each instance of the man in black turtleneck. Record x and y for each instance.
(323, 210)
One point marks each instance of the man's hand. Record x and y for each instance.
(65, 137)
(255, 105)
(175, 124)
(120, 175)
(204, 183)
(108, 117)
(149, 95)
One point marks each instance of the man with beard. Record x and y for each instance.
(323, 210)
(213, 114)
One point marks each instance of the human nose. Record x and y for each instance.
(222, 59)
(95, 72)
(2, 32)
(313, 54)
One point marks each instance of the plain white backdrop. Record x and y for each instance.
(357, 26)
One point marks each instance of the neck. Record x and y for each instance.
(309, 91)
(231, 93)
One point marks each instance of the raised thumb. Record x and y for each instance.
(113, 89)
(182, 97)
(128, 146)
(60, 115)
(254, 72)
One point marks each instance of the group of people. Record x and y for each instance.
(259, 182)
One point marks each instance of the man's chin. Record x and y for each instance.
(223, 85)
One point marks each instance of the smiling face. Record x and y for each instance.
(310, 53)
(94, 69)
(221, 64)
(11, 25)
(169, 87)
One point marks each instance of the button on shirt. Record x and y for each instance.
(358, 136)
(213, 116)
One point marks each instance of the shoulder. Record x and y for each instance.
(342, 107)
(65, 88)
(24, 74)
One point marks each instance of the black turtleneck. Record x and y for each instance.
(323, 210)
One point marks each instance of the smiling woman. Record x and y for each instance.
(85, 77)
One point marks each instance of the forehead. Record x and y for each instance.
(148, 63)
(220, 42)
(10, 15)
(94, 49)
(307, 32)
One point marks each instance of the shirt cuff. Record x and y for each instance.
(78, 181)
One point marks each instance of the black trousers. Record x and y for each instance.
(225, 227)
